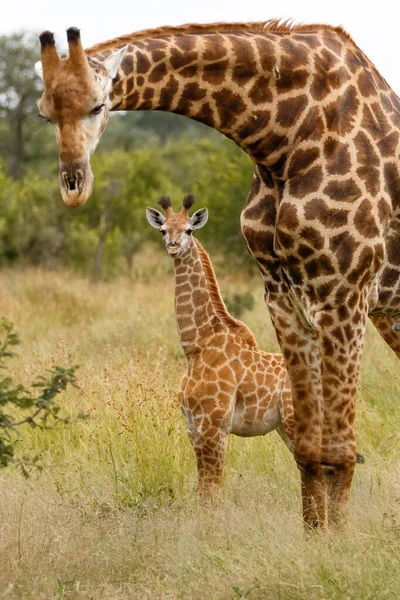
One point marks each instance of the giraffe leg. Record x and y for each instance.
(341, 334)
(385, 327)
(301, 352)
(209, 445)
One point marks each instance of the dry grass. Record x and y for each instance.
(113, 514)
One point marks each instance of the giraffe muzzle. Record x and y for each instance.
(75, 184)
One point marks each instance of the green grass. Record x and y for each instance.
(113, 514)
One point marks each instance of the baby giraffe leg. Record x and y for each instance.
(209, 444)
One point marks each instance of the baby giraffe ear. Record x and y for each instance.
(199, 218)
(155, 218)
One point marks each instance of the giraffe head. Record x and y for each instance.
(177, 228)
(76, 101)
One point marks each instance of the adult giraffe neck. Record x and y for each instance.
(249, 85)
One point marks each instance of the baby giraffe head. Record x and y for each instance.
(177, 228)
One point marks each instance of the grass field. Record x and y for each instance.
(113, 515)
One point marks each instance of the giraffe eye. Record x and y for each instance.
(97, 109)
(189, 231)
(163, 232)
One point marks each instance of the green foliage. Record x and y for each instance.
(37, 404)
(237, 303)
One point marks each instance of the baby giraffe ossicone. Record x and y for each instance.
(230, 386)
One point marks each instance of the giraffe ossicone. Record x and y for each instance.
(322, 218)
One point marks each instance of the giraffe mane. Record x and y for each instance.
(219, 306)
(272, 25)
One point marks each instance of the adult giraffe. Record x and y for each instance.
(323, 214)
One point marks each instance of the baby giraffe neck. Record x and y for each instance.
(193, 303)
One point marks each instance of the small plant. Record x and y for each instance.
(37, 404)
(237, 304)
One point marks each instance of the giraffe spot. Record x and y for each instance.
(158, 54)
(229, 107)
(215, 47)
(319, 267)
(313, 237)
(352, 61)
(343, 191)
(389, 144)
(205, 114)
(324, 78)
(294, 53)
(260, 91)
(306, 183)
(267, 145)
(257, 121)
(392, 183)
(329, 217)
(337, 156)
(215, 73)
(386, 102)
(192, 91)
(364, 220)
(366, 83)
(371, 178)
(185, 42)
(284, 240)
(340, 115)
(392, 248)
(365, 150)
(147, 97)
(327, 346)
(266, 53)
(312, 126)
(181, 58)
(139, 81)
(264, 211)
(167, 93)
(143, 63)
(278, 167)
(132, 101)
(362, 268)
(333, 42)
(305, 251)
(302, 160)
(158, 73)
(290, 80)
(343, 246)
(127, 64)
(293, 267)
(375, 122)
(243, 72)
(188, 72)
(389, 277)
(287, 218)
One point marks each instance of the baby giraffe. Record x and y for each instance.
(230, 386)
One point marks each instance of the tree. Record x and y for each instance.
(38, 404)
(19, 90)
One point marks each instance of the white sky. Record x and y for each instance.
(373, 25)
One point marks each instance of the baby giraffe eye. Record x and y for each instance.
(97, 109)
(163, 232)
(188, 231)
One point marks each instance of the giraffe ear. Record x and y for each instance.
(199, 218)
(155, 218)
(39, 69)
(113, 62)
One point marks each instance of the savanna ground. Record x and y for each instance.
(113, 515)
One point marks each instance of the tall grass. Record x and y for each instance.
(113, 515)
